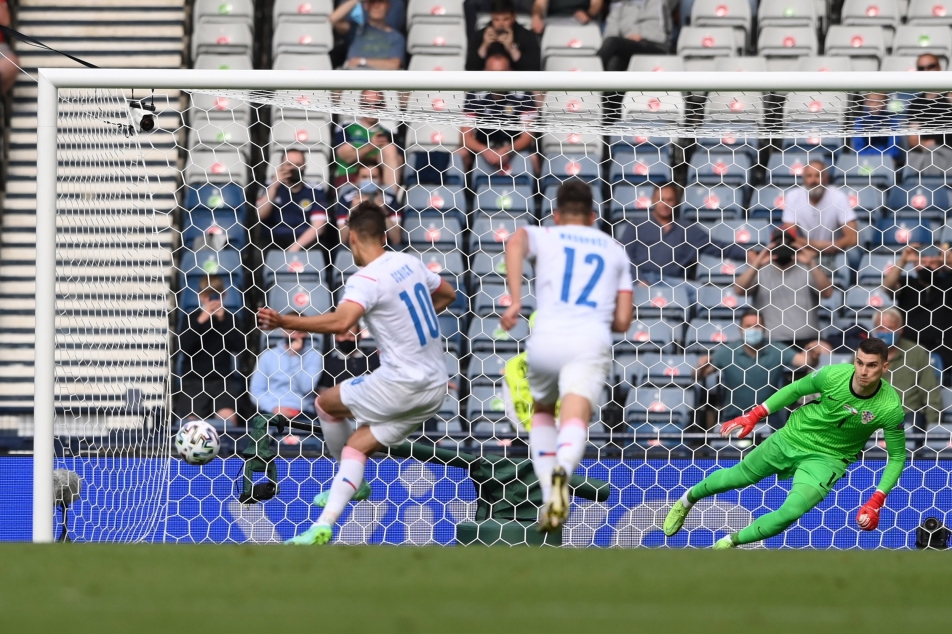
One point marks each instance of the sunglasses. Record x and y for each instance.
(929, 67)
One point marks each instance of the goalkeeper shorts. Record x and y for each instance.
(777, 455)
(392, 410)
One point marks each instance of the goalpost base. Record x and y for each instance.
(512, 533)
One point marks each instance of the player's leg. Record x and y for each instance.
(765, 460)
(337, 430)
(543, 438)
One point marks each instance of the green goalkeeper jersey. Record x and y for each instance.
(839, 423)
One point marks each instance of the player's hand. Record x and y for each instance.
(510, 318)
(269, 319)
(745, 423)
(868, 516)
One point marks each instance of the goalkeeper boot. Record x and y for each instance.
(555, 513)
(675, 519)
(363, 493)
(724, 543)
(317, 535)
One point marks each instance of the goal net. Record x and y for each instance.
(169, 239)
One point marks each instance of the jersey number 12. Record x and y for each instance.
(591, 258)
(426, 307)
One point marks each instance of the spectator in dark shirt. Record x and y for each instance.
(375, 44)
(877, 115)
(663, 250)
(929, 153)
(584, 11)
(520, 43)
(292, 212)
(368, 186)
(925, 297)
(366, 140)
(345, 361)
(212, 338)
(634, 27)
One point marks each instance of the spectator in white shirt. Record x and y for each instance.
(821, 215)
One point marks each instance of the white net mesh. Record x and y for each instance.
(137, 283)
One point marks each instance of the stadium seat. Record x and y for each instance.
(434, 168)
(713, 168)
(307, 298)
(719, 202)
(735, 14)
(699, 45)
(490, 297)
(648, 336)
(914, 40)
(864, 171)
(222, 62)
(223, 165)
(222, 38)
(433, 230)
(573, 64)
(653, 108)
(647, 369)
(716, 303)
(895, 234)
(900, 63)
(655, 64)
(572, 143)
(766, 203)
(201, 225)
(342, 268)
(704, 335)
(511, 200)
(486, 335)
(717, 271)
(644, 165)
(630, 203)
(429, 137)
(437, 63)
(490, 233)
(741, 64)
(302, 37)
(932, 178)
(493, 265)
(864, 45)
(447, 264)
(787, 13)
(437, 39)
(867, 202)
(562, 167)
(214, 134)
(316, 167)
(207, 106)
(929, 12)
(782, 45)
(214, 196)
(314, 135)
(826, 147)
(874, 267)
(745, 142)
(571, 106)
(302, 11)
(747, 234)
(784, 168)
(425, 103)
(486, 368)
(735, 108)
(435, 12)
(433, 200)
(216, 11)
(485, 405)
(661, 302)
(881, 13)
(861, 302)
(571, 40)
(302, 61)
(821, 64)
(664, 409)
(813, 109)
(630, 144)
(923, 202)
(518, 170)
(292, 268)
(198, 265)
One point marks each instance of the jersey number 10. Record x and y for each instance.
(426, 307)
(591, 258)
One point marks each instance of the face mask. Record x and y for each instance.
(346, 346)
(888, 337)
(753, 337)
(367, 186)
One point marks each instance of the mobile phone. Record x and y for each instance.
(214, 297)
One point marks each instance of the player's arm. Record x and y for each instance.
(782, 398)
(443, 296)
(895, 435)
(517, 248)
(624, 310)
(344, 318)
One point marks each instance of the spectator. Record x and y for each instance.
(363, 140)
(877, 115)
(375, 43)
(472, 9)
(212, 338)
(786, 284)
(345, 361)
(584, 11)
(285, 378)
(925, 297)
(521, 44)
(821, 215)
(292, 211)
(909, 369)
(752, 367)
(9, 62)
(929, 152)
(634, 27)
(498, 149)
(663, 250)
(368, 187)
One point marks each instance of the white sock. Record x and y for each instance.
(337, 431)
(573, 433)
(349, 477)
(542, 441)
(684, 499)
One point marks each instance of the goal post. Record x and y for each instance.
(569, 104)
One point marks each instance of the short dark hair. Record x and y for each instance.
(748, 312)
(367, 220)
(503, 6)
(497, 49)
(874, 346)
(574, 198)
(370, 164)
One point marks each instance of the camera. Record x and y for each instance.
(141, 117)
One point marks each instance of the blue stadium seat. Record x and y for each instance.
(493, 265)
(922, 202)
(518, 171)
(665, 409)
(766, 203)
(490, 233)
(430, 230)
(864, 170)
(784, 168)
(661, 302)
(558, 169)
(301, 266)
(630, 202)
(485, 335)
(435, 199)
(896, 234)
(862, 301)
(307, 298)
(714, 302)
(434, 168)
(229, 195)
(448, 264)
(486, 368)
(746, 234)
(867, 202)
(485, 405)
(874, 266)
(649, 336)
(657, 370)
(644, 165)
(719, 202)
(195, 266)
(704, 335)
(225, 220)
(717, 271)
(491, 199)
(492, 298)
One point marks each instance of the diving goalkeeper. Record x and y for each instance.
(818, 443)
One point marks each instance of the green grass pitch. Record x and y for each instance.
(176, 588)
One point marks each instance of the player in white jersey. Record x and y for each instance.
(399, 299)
(583, 293)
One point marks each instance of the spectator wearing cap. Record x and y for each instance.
(286, 376)
(924, 297)
(375, 45)
(366, 140)
(752, 368)
(634, 27)
(292, 211)
(583, 11)
(521, 44)
(910, 371)
(786, 284)
(663, 250)
(820, 215)
(929, 153)
(368, 186)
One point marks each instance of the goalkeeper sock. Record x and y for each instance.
(686, 499)
(349, 477)
(542, 443)
(337, 431)
(570, 446)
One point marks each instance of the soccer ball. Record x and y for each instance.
(197, 442)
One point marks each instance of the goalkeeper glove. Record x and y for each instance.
(868, 516)
(745, 423)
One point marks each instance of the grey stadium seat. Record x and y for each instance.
(574, 40)
(781, 45)
(824, 64)
(210, 11)
(485, 335)
(449, 102)
(787, 13)
(711, 203)
(554, 143)
(717, 271)
(307, 298)
(302, 266)
(302, 61)
(574, 64)
(222, 165)
(430, 231)
(882, 13)
(429, 137)
(661, 302)
(704, 335)
(302, 37)
(735, 107)
(447, 264)
(714, 302)
(437, 39)
(735, 14)
(749, 233)
(490, 233)
(219, 133)
(302, 10)
(437, 63)
(899, 63)
(651, 336)
(698, 45)
(665, 409)
(754, 64)
(865, 45)
(655, 64)
(222, 38)
(435, 12)
(929, 12)
(815, 107)
(302, 133)
(719, 168)
(913, 39)
(514, 200)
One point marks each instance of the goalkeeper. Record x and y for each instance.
(818, 443)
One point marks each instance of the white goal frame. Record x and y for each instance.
(52, 79)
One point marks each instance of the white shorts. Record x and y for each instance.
(566, 365)
(392, 410)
